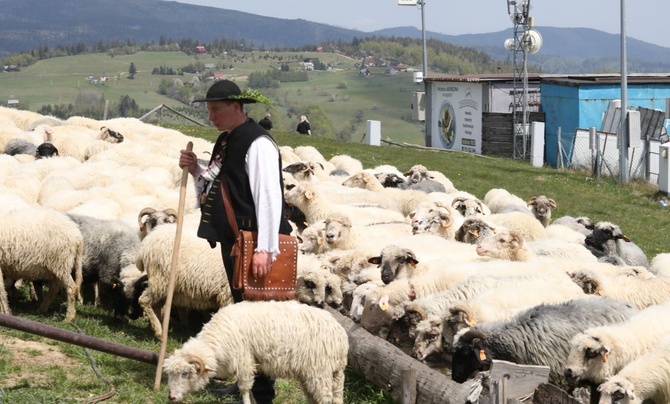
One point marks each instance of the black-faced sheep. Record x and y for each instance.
(473, 230)
(149, 218)
(537, 336)
(608, 238)
(278, 339)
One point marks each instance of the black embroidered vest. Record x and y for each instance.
(214, 221)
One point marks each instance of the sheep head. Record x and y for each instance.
(616, 389)
(428, 339)
(186, 373)
(470, 355)
(395, 262)
(149, 218)
(588, 358)
(508, 245)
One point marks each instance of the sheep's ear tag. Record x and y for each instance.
(605, 356)
(482, 355)
(470, 323)
(384, 303)
(599, 292)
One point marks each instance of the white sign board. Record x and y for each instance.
(407, 2)
(457, 116)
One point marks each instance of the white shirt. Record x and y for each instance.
(261, 167)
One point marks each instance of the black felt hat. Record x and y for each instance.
(226, 90)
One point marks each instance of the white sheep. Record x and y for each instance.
(313, 239)
(407, 200)
(530, 228)
(641, 291)
(501, 200)
(346, 163)
(318, 287)
(436, 218)
(279, 339)
(510, 245)
(341, 233)
(201, 282)
(660, 264)
(42, 244)
(316, 206)
(645, 378)
(419, 172)
(598, 353)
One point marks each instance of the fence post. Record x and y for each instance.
(559, 163)
(598, 157)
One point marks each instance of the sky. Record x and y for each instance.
(646, 20)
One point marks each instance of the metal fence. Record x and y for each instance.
(598, 153)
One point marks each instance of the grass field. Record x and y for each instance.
(341, 93)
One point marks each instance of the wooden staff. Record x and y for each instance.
(173, 271)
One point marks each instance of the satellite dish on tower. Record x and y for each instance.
(509, 44)
(531, 41)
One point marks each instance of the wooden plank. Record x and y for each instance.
(409, 386)
(383, 364)
(511, 380)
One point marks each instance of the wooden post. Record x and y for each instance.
(173, 271)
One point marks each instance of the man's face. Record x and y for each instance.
(222, 114)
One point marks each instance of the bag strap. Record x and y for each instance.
(229, 207)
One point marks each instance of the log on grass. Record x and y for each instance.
(382, 364)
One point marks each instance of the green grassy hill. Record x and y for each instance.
(345, 97)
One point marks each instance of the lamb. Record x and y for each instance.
(645, 378)
(42, 244)
(537, 336)
(201, 282)
(541, 207)
(316, 206)
(510, 245)
(608, 238)
(279, 339)
(109, 246)
(600, 352)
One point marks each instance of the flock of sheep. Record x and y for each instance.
(449, 276)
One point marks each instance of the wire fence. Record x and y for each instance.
(598, 152)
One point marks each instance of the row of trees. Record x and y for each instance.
(91, 104)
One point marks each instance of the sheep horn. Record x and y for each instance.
(193, 360)
(171, 212)
(145, 211)
(414, 308)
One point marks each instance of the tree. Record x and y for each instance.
(132, 70)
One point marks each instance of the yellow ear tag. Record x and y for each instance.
(482, 355)
(606, 356)
(599, 292)
(384, 303)
(470, 323)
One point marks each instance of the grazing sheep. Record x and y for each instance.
(645, 378)
(41, 244)
(541, 207)
(510, 245)
(537, 336)
(278, 339)
(607, 237)
(201, 282)
(600, 352)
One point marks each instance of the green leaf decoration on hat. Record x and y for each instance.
(250, 93)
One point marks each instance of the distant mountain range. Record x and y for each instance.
(28, 24)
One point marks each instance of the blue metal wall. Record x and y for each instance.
(570, 107)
